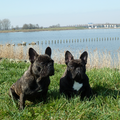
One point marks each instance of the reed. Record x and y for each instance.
(96, 59)
(8, 51)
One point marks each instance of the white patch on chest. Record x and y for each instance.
(77, 86)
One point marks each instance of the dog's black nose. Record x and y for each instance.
(78, 71)
(51, 68)
(52, 72)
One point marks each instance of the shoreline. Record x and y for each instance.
(43, 29)
(51, 29)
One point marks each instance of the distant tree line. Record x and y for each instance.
(31, 26)
(54, 26)
(5, 24)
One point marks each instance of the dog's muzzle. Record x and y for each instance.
(51, 72)
(51, 69)
(79, 74)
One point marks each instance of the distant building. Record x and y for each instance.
(90, 25)
(95, 26)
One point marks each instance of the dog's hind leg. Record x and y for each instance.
(12, 94)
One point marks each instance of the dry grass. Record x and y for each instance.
(8, 51)
(95, 60)
(99, 60)
(15, 52)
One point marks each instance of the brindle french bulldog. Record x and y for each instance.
(35, 81)
(75, 81)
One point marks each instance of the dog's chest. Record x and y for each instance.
(77, 86)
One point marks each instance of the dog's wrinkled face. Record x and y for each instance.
(42, 65)
(76, 68)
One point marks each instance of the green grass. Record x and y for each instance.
(105, 105)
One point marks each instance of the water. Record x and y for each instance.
(111, 46)
(18, 37)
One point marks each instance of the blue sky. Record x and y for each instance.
(63, 12)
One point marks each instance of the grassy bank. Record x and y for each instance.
(105, 105)
(43, 29)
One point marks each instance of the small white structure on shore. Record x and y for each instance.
(23, 43)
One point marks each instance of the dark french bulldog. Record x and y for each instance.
(35, 81)
(75, 81)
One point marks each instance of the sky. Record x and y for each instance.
(46, 13)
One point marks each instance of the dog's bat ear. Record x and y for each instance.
(48, 51)
(84, 57)
(32, 55)
(68, 57)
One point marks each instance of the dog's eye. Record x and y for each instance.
(38, 68)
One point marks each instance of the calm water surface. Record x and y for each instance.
(105, 45)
